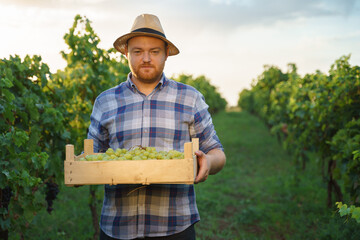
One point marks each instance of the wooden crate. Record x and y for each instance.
(173, 171)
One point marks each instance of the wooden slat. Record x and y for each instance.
(69, 152)
(88, 147)
(179, 171)
(188, 152)
(195, 142)
(195, 166)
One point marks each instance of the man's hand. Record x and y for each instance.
(204, 166)
(209, 163)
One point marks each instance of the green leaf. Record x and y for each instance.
(8, 95)
(5, 223)
(20, 138)
(356, 214)
(39, 160)
(28, 215)
(6, 173)
(5, 82)
(66, 135)
(344, 210)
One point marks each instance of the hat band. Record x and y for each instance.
(149, 30)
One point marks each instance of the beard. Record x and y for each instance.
(147, 73)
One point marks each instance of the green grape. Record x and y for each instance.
(118, 152)
(159, 156)
(164, 153)
(128, 156)
(151, 149)
(110, 151)
(178, 155)
(137, 152)
(90, 157)
(152, 155)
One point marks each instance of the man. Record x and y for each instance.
(151, 110)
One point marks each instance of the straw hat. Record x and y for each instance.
(145, 25)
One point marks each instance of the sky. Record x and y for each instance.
(227, 41)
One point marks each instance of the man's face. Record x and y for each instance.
(147, 56)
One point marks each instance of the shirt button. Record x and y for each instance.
(145, 131)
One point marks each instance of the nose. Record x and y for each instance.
(146, 57)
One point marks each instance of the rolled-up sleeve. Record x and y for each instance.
(203, 128)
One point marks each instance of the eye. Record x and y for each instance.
(155, 52)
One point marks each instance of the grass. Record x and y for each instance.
(258, 195)
(70, 219)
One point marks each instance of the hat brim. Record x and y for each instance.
(121, 42)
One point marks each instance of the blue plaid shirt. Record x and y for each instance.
(167, 118)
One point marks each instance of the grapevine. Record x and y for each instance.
(315, 116)
(32, 131)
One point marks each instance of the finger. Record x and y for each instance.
(199, 153)
(203, 171)
(201, 177)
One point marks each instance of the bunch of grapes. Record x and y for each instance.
(137, 153)
(6, 195)
(52, 189)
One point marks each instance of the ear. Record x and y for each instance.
(126, 51)
(167, 52)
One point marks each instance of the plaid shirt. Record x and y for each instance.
(167, 118)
